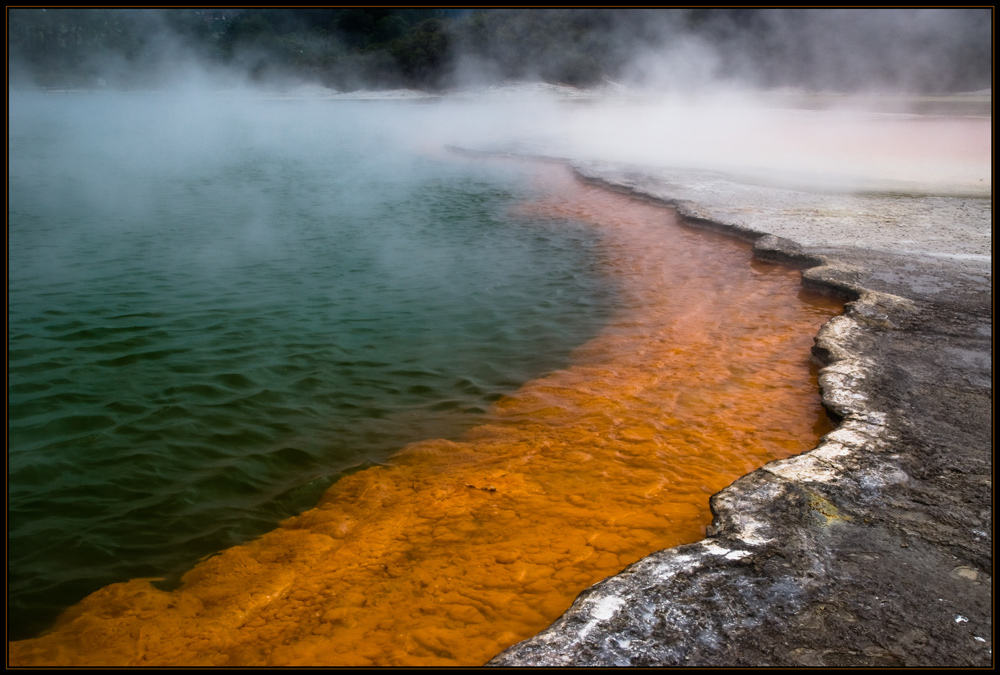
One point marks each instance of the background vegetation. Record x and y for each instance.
(351, 48)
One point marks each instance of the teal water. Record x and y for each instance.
(218, 306)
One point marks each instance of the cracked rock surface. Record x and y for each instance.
(875, 548)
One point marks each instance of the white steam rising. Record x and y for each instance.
(696, 90)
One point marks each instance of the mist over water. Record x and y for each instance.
(218, 306)
(221, 303)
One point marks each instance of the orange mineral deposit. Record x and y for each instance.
(457, 550)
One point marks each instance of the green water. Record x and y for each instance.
(217, 306)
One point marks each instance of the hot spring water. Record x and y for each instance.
(214, 321)
(216, 307)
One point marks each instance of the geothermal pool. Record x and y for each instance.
(515, 383)
(214, 311)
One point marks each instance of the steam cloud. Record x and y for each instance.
(725, 90)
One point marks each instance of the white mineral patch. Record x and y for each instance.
(715, 549)
(875, 418)
(840, 383)
(804, 468)
(526, 90)
(606, 607)
(306, 91)
(600, 609)
(847, 369)
(852, 437)
(830, 451)
(753, 532)
(672, 565)
(884, 475)
(835, 334)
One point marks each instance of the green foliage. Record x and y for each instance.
(61, 44)
(422, 53)
(420, 47)
(558, 45)
(389, 28)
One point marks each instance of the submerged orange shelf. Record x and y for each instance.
(460, 549)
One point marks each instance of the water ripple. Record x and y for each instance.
(197, 350)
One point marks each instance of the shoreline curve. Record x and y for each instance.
(875, 547)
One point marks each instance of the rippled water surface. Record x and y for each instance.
(217, 307)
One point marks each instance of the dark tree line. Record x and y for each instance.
(343, 48)
(350, 48)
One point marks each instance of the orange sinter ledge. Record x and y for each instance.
(456, 550)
